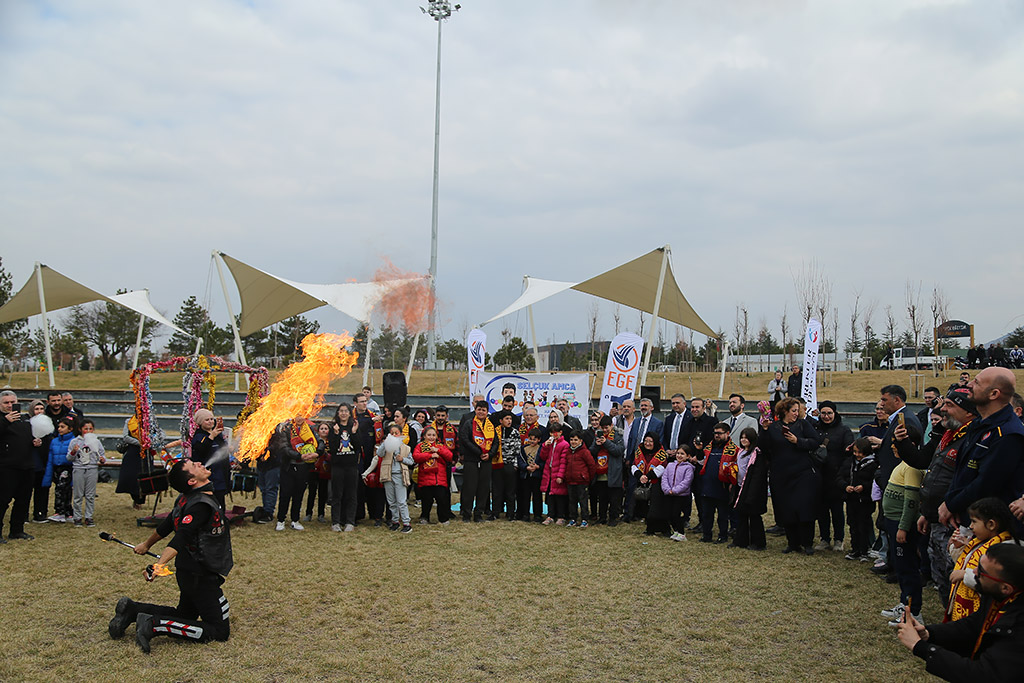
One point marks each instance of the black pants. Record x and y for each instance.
(799, 534)
(558, 506)
(503, 491)
(441, 495)
(749, 530)
(599, 501)
(831, 510)
(293, 482)
(40, 497)
(707, 517)
(675, 513)
(476, 486)
(202, 613)
(345, 484)
(906, 564)
(578, 499)
(686, 508)
(316, 491)
(15, 492)
(629, 508)
(858, 515)
(528, 491)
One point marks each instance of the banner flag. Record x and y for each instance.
(812, 339)
(543, 389)
(476, 347)
(621, 370)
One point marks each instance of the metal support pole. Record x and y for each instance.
(366, 361)
(46, 324)
(657, 308)
(138, 341)
(725, 361)
(412, 357)
(231, 315)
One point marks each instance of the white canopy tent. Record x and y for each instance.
(268, 299)
(50, 290)
(646, 283)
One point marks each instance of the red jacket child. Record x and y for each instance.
(432, 467)
(580, 467)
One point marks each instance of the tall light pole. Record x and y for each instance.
(438, 10)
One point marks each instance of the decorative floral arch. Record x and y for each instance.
(199, 370)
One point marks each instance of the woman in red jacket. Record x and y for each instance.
(552, 482)
(432, 460)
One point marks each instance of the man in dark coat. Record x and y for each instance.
(795, 383)
(16, 466)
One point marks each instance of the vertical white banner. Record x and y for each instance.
(812, 339)
(622, 370)
(476, 347)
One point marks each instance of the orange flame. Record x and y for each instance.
(298, 391)
(408, 305)
(162, 570)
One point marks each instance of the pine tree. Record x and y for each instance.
(13, 335)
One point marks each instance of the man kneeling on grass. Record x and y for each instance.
(987, 645)
(202, 546)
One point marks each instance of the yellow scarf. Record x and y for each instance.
(963, 600)
(483, 434)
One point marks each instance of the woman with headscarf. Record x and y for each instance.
(795, 484)
(836, 437)
(134, 462)
(648, 466)
(206, 441)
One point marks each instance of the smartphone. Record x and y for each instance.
(16, 408)
(220, 423)
(901, 419)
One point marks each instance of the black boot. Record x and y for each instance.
(124, 614)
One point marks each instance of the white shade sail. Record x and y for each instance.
(633, 284)
(268, 299)
(61, 292)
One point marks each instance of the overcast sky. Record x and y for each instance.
(884, 138)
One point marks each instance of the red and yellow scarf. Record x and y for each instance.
(964, 600)
(302, 437)
(483, 433)
(995, 611)
(645, 463)
(446, 434)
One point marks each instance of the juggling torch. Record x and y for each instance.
(152, 570)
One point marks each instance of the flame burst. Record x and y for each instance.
(162, 570)
(408, 305)
(298, 391)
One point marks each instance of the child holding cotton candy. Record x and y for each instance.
(86, 454)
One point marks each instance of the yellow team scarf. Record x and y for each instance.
(483, 434)
(302, 438)
(964, 600)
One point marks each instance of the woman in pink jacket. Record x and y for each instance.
(554, 453)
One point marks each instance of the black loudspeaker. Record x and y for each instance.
(395, 389)
(653, 393)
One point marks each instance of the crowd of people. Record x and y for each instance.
(928, 498)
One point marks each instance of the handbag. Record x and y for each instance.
(820, 454)
(122, 445)
(642, 492)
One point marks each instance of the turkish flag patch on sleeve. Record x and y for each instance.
(187, 519)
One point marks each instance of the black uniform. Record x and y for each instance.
(203, 542)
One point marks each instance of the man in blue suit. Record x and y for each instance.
(643, 425)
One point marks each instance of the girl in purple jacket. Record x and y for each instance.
(675, 484)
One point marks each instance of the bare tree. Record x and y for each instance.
(594, 311)
(869, 312)
(617, 317)
(806, 284)
(890, 326)
(745, 329)
(940, 312)
(853, 343)
(784, 327)
(823, 306)
(835, 330)
(915, 319)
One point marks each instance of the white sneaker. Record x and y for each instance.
(823, 545)
(56, 518)
(307, 518)
(896, 613)
(298, 527)
(335, 527)
(676, 536)
(280, 526)
(838, 546)
(350, 527)
(875, 554)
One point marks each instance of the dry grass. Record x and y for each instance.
(497, 601)
(859, 386)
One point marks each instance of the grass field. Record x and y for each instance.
(858, 386)
(480, 602)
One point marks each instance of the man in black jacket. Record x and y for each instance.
(987, 645)
(924, 416)
(795, 383)
(16, 467)
(201, 548)
(475, 451)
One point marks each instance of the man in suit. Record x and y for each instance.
(674, 422)
(738, 420)
(924, 416)
(643, 425)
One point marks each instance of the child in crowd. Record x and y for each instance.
(552, 482)
(855, 476)
(432, 459)
(608, 451)
(58, 470)
(394, 458)
(751, 493)
(675, 484)
(530, 470)
(580, 469)
(899, 506)
(86, 454)
(991, 524)
(504, 460)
